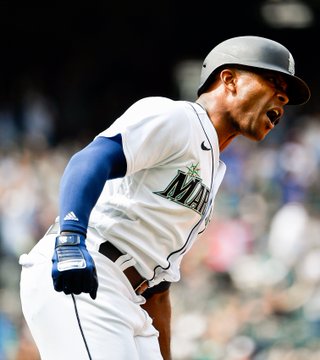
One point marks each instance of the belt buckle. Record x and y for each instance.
(142, 287)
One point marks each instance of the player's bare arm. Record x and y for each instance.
(158, 307)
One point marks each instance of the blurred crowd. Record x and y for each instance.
(250, 286)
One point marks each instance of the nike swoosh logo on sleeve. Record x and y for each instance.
(203, 147)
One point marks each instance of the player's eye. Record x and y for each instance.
(276, 81)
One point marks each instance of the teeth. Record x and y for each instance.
(277, 112)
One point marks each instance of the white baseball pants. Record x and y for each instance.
(75, 327)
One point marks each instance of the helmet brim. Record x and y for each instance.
(298, 91)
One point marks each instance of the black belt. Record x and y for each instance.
(139, 283)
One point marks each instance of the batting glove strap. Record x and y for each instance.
(73, 269)
(68, 252)
(70, 239)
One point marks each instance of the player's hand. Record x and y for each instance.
(73, 269)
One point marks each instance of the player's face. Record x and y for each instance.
(260, 100)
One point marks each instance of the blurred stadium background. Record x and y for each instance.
(250, 288)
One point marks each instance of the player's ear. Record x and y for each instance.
(228, 77)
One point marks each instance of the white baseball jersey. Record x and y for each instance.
(165, 200)
(153, 215)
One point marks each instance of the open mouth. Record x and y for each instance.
(274, 116)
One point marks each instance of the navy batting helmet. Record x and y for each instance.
(256, 52)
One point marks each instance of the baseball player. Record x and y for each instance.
(135, 199)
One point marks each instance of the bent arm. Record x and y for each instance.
(158, 306)
(84, 178)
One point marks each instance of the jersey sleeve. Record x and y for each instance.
(84, 178)
(154, 131)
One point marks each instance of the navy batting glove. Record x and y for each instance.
(73, 269)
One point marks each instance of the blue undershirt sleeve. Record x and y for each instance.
(84, 178)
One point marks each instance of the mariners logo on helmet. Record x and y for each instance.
(291, 64)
